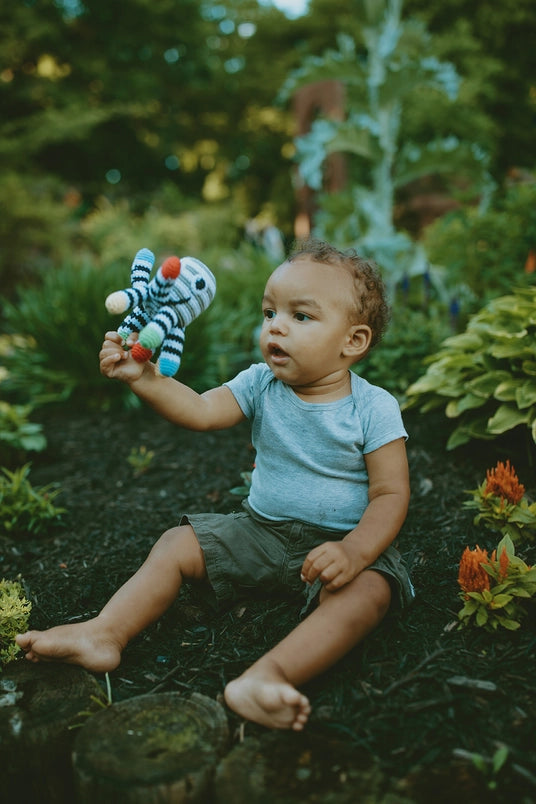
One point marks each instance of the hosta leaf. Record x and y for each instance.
(467, 402)
(526, 394)
(506, 391)
(529, 367)
(506, 418)
(511, 349)
(486, 384)
(458, 437)
(470, 341)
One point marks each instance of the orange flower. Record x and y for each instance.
(504, 563)
(503, 482)
(472, 576)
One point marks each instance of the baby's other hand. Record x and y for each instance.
(333, 563)
(116, 362)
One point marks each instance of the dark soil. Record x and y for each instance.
(411, 697)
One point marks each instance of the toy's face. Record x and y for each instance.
(193, 290)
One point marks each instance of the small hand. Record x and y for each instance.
(333, 563)
(117, 362)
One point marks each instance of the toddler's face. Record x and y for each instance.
(306, 323)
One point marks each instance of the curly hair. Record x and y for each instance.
(370, 306)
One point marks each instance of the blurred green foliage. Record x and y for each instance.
(162, 128)
(487, 251)
(18, 435)
(25, 509)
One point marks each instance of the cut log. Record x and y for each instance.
(38, 705)
(154, 748)
(291, 768)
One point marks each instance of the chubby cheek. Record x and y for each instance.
(263, 341)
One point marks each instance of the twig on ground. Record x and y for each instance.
(411, 675)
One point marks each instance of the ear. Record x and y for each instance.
(357, 342)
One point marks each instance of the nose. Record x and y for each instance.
(277, 325)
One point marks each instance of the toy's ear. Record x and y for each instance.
(171, 268)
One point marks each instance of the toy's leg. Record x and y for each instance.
(171, 353)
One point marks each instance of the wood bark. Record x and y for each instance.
(154, 748)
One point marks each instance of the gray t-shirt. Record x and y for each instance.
(309, 464)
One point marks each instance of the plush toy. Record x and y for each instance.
(163, 306)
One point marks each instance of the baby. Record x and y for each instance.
(329, 492)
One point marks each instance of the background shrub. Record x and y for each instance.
(18, 434)
(487, 251)
(398, 360)
(57, 327)
(25, 509)
(485, 377)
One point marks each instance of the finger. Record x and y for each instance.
(317, 569)
(311, 558)
(114, 336)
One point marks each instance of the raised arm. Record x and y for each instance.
(337, 563)
(215, 409)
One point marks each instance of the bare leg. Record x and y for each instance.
(98, 643)
(267, 692)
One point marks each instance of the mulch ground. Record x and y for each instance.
(419, 696)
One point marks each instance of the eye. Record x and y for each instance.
(200, 284)
(269, 314)
(302, 317)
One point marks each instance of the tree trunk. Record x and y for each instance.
(154, 748)
(38, 705)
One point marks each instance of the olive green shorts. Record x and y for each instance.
(246, 554)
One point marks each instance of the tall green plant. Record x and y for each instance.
(382, 70)
(485, 378)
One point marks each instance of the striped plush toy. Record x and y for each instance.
(162, 306)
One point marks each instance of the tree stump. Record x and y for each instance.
(292, 768)
(154, 748)
(38, 704)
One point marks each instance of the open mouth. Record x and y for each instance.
(275, 351)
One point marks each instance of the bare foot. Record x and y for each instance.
(86, 644)
(264, 695)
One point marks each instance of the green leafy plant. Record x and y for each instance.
(140, 459)
(14, 614)
(502, 504)
(24, 509)
(493, 588)
(243, 490)
(485, 377)
(17, 433)
(489, 767)
(98, 703)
